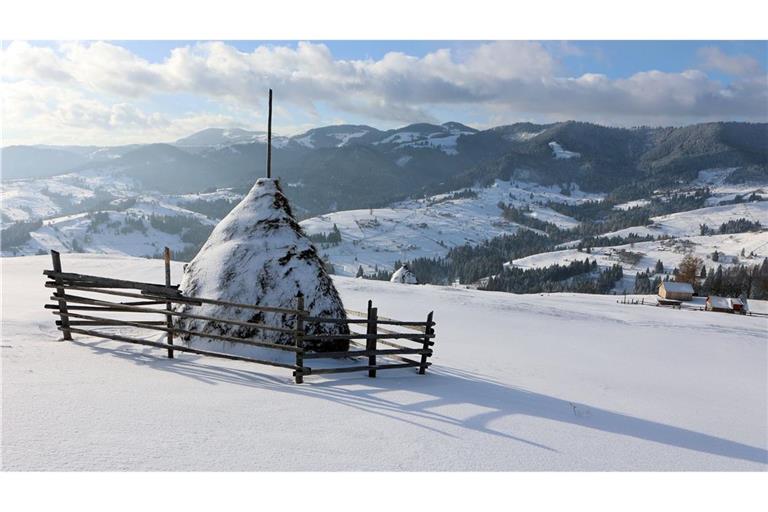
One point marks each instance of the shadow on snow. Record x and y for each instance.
(444, 387)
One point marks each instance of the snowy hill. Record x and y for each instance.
(377, 238)
(117, 220)
(519, 382)
(639, 256)
(219, 137)
(687, 223)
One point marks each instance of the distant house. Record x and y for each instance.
(672, 290)
(725, 305)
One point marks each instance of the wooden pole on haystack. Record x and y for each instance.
(269, 137)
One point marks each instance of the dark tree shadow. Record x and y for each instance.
(442, 387)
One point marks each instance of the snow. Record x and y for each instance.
(519, 382)
(400, 137)
(445, 141)
(32, 199)
(403, 275)
(75, 232)
(416, 228)
(632, 204)
(714, 180)
(400, 162)
(672, 286)
(670, 252)
(687, 223)
(344, 138)
(722, 302)
(306, 141)
(562, 154)
(522, 136)
(258, 255)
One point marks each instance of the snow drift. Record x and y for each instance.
(258, 254)
(404, 275)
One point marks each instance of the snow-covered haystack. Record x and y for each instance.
(404, 275)
(258, 254)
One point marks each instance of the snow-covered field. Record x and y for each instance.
(531, 382)
(429, 228)
(670, 252)
(31, 199)
(688, 223)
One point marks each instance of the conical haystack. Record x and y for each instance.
(259, 255)
(404, 275)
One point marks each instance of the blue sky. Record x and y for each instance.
(613, 58)
(128, 91)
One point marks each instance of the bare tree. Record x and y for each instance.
(689, 269)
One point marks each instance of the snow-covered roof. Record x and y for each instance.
(723, 302)
(674, 286)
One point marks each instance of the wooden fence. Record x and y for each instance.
(81, 314)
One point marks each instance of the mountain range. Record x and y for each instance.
(357, 166)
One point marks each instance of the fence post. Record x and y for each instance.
(427, 332)
(370, 343)
(299, 336)
(56, 257)
(168, 305)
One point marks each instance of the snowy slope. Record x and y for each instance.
(555, 382)
(31, 199)
(561, 153)
(118, 234)
(429, 228)
(687, 223)
(670, 252)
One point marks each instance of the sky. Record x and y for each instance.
(121, 92)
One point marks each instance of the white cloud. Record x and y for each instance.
(102, 88)
(713, 58)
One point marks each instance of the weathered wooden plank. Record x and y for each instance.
(429, 332)
(168, 305)
(324, 337)
(328, 320)
(98, 308)
(268, 309)
(139, 309)
(180, 348)
(299, 334)
(161, 299)
(348, 369)
(364, 353)
(108, 322)
(183, 299)
(66, 333)
(370, 342)
(153, 326)
(108, 282)
(391, 356)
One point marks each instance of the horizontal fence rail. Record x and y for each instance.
(79, 314)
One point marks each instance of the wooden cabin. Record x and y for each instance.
(672, 290)
(725, 305)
